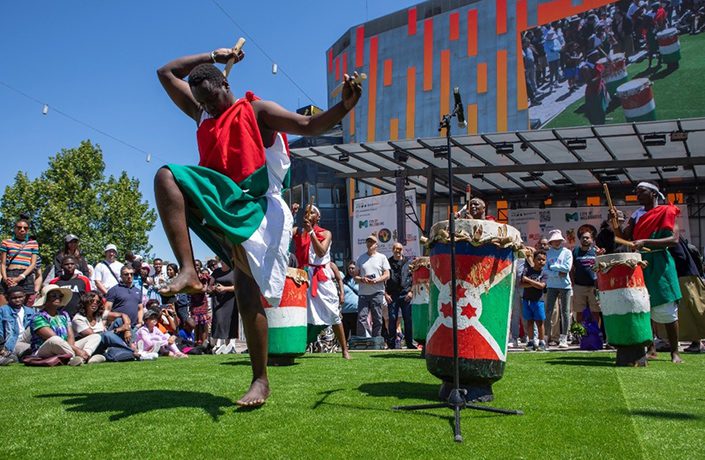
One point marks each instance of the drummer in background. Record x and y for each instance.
(474, 209)
(596, 96)
(653, 226)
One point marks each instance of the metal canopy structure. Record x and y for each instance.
(530, 163)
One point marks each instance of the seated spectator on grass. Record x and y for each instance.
(18, 259)
(15, 317)
(89, 321)
(51, 333)
(199, 305)
(125, 299)
(72, 279)
(168, 321)
(71, 248)
(151, 340)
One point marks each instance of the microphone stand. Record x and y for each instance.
(456, 399)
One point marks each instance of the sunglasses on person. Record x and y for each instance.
(55, 295)
(21, 227)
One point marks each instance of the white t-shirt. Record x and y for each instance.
(373, 266)
(102, 274)
(80, 323)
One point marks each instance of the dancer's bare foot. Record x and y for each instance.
(346, 354)
(651, 355)
(256, 395)
(185, 283)
(676, 358)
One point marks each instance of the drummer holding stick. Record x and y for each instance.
(654, 230)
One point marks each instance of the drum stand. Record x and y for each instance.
(456, 399)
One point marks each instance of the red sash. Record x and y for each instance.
(231, 144)
(659, 218)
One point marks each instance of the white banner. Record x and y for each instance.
(535, 223)
(378, 214)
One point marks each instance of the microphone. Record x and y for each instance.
(459, 108)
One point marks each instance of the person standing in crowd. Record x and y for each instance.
(72, 279)
(126, 299)
(653, 226)
(553, 45)
(158, 276)
(529, 56)
(533, 282)
(15, 317)
(584, 278)
(71, 248)
(18, 260)
(52, 334)
(372, 271)
(398, 295)
(573, 59)
(596, 96)
(559, 261)
(225, 325)
(312, 247)
(691, 308)
(350, 299)
(106, 273)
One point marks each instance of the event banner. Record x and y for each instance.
(535, 223)
(378, 214)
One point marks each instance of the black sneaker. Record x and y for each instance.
(530, 346)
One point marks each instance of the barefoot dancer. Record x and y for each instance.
(232, 200)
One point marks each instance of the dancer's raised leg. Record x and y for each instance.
(171, 205)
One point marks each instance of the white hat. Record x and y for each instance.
(653, 188)
(110, 247)
(555, 235)
(66, 291)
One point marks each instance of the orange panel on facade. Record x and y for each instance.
(482, 77)
(372, 91)
(445, 85)
(387, 72)
(593, 201)
(472, 118)
(351, 117)
(472, 33)
(410, 102)
(393, 129)
(454, 19)
(502, 90)
(428, 54)
(376, 190)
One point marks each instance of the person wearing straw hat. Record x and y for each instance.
(654, 227)
(559, 261)
(52, 334)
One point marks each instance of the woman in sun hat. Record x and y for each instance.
(52, 334)
(559, 261)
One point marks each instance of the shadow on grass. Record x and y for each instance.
(236, 363)
(128, 403)
(407, 355)
(402, 390)
(595, 361)
(667, 415)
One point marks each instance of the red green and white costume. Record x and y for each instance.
(234, 194)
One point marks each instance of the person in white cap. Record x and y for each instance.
(371, 274)
(653, 226)
(71, 248)
(107, 273)
(559, 261)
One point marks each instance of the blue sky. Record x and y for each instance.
(96, 61)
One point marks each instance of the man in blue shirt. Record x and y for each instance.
(127, 299)
(584, 278)
(15, 317)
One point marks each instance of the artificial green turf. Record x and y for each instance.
(678, 94)
(577, 405)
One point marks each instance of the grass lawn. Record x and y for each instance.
(678, 94)
(577, 405)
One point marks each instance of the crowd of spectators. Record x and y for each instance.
(562, 50)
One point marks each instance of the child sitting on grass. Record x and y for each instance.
(155, 341)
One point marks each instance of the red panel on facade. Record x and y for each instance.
(454, 19)
(337, 68)
(472, 33)
(411, 26)
(330, 60)
(501, 16)
(428, 54)
(359, 46)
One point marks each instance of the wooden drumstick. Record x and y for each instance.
(338, 89)
(231, 61)
(613, 221)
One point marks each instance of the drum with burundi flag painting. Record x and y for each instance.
(485, 253)
(287, 323)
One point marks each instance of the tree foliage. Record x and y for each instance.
(73, 196)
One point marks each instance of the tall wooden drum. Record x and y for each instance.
(625, 306)
(485, 252)
(287, 323)
(420, 311)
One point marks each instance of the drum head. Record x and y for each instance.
(632, 87)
